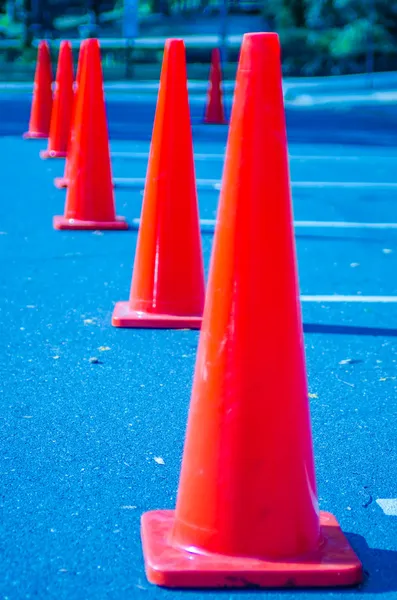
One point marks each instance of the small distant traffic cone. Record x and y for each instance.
(62, 105)
(214, 112)
(40, 115)
(89, 200)
(62, 182)
(167, 287)
(246, 512)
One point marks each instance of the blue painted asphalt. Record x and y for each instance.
(79, 440)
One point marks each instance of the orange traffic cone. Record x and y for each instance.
(168, 282)
(62, 108)
(40, 115)
(247, 512)
(214, 112)
(62, 182)
(89, 200)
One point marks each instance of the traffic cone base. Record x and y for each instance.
(333, 564)
(124, 316)
(44, 154)
(35, 135)
(61, 222)
(61, 182)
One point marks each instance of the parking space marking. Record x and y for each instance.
(145, 155)
(341, 298)
(138, 182)
(209, 224)
(388, 505)
(218, 156)
(344, 225)
(345, 184)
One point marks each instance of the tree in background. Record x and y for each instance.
(335, 36)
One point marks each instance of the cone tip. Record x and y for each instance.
(174, 42)
(259, 51)
(44, 47)
(260, 37)
(215, 54)
(91, 42)
(65, 44)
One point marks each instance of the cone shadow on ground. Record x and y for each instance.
(380, 566)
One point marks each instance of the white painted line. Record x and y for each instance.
(324, 224)
(145, 155)
(388, 505)
(348, 299)
(344, 225)
(216, 156)
(139, 182)
(363, 98)
(215, 184)
(344, 184)
(210, 223)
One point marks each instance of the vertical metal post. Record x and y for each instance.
(370, 58)
(130, 32)
(37, 17)
(130, 19)
(223, 29)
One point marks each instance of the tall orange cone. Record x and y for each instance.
(40, 115)
(214, 112)
(62, 106)
(247, 512)
(89, 200)
(62, 182)
(167, 287)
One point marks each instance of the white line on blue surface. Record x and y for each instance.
(344, 225)
(388, 505)
(210, 224)
(345, 184)
(342, 298)
(145, 155)
(218, 156)
(139, 182)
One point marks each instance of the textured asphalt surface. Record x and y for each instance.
(81, 442)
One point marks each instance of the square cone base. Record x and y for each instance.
(52, 154)
(61, 182)
(333, 564)
(124, 316)
(35, 135)
(61, 222)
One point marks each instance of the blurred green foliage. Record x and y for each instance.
(335, 36)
